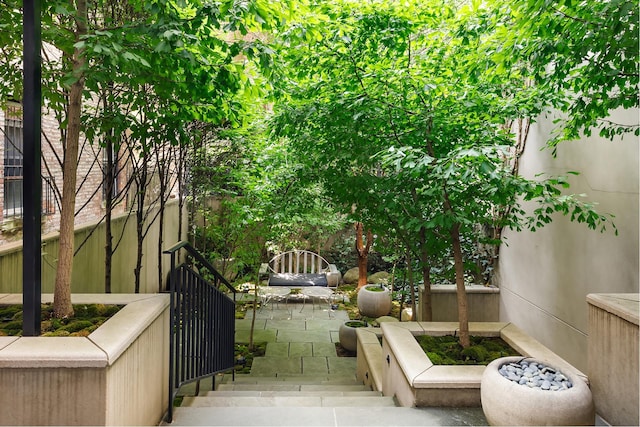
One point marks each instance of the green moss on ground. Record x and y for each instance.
(87, 318)
(243, 351)
(447, 350)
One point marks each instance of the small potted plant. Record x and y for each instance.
(347, 334)
(374, 300)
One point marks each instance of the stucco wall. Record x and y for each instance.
(88, 264)
(545, 276)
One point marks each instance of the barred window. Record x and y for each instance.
(13, 160)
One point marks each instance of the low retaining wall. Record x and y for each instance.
(118, 375)
(613, 356)
(404, 370)
(483, 303)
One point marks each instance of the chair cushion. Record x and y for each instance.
(293, 279)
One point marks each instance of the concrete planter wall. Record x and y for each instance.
(483, 303)
(613, 356)
(406, 372)
(506, 403)
(118, 375)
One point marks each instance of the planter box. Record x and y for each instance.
(118, 375)
(613, 356)
(407, 373)
(483, 303)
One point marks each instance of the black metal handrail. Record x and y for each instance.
(202, 332)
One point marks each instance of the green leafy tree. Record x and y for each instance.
(587, 52)
(408, 105)
(184, 60)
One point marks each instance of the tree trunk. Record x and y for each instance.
(141, 183)
(62, 291)
(109, 174)
(363, 252)
(160, 243)
(427, 308)
(411, 286)
(139, 233)
(463, 314)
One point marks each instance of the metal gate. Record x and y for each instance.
(202, 321)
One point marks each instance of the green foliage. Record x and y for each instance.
(404, 115)
(86, 319)
(445, 350)
(77, 326)
(587, 52)
(244, 352)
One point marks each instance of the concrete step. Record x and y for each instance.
(325, 416)
(250, 379)
(293, 387)
(267, 393)
(288, 401)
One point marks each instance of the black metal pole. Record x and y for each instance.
(32, 181)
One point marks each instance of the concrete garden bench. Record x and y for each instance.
(300, 269)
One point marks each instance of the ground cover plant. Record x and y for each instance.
(446, 350)
(245, 355)
(86, 319)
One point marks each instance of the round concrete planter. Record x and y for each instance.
(374, 301)
(347, 334)
(505, 402)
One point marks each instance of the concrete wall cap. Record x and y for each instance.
(625, 306)
(120, 331)
(52, 352)
(5, 341)
(461, 376)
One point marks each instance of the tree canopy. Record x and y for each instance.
(406, 116)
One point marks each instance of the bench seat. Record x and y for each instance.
(298, 269)
(297, 279)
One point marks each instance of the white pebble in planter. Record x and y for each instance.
(523, 391)
(374, 300)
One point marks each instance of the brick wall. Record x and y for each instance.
(89, 199)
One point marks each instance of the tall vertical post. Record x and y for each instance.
(32, 180)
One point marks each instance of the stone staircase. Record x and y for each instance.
(301, 382)
(250, 391)
(295, 401)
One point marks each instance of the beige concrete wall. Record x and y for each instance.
(48, 396)
(137, 382)
(545, 276)
(88, 267)
(613, 357)
(118, 375)
(483, 303)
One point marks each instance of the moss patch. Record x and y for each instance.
(447, 350)
(87, 318)
(244, 356)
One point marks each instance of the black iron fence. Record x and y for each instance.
(202, 321)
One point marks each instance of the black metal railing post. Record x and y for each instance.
(202, 335)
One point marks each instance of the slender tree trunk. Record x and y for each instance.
(427, 308)
(140, 229)
(109, 174)
(182, 153)
(108, 249)
(160, 243)
(363, 252)
(62, 292)
(463, 313)
(411, 285)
